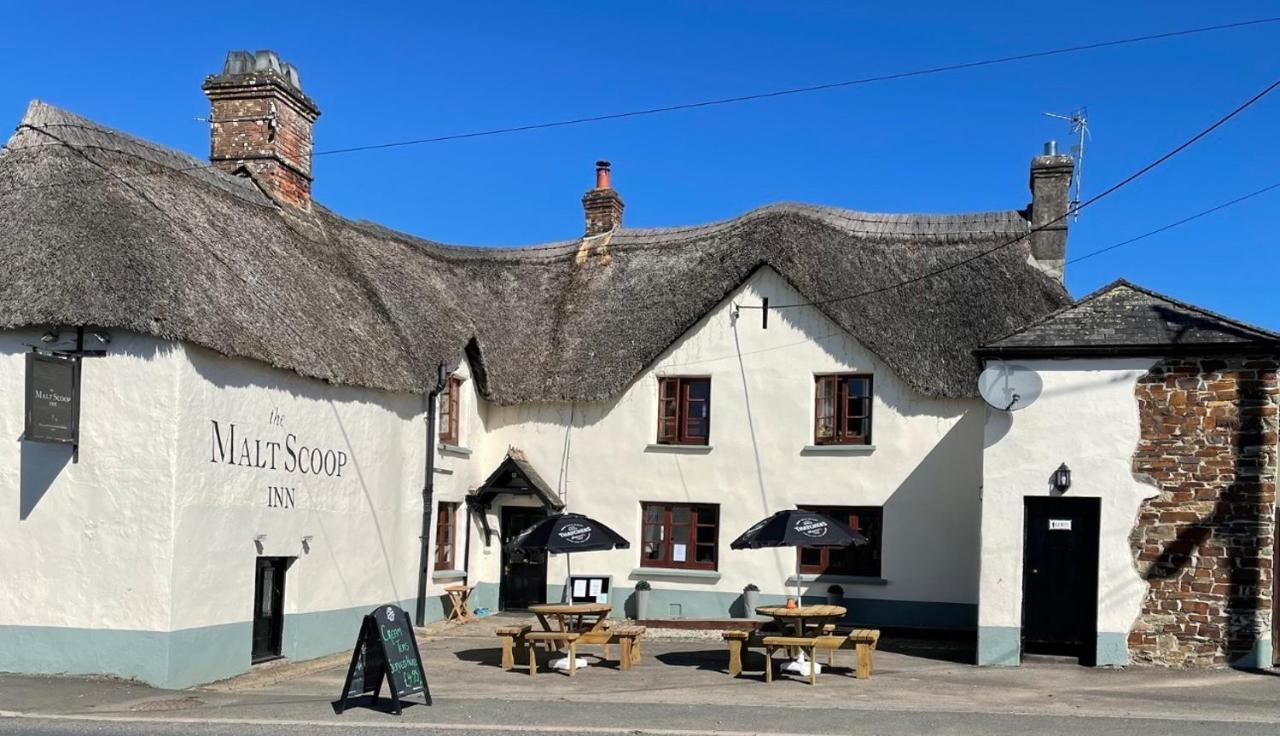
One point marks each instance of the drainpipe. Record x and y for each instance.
(466, 550)
(428, 493)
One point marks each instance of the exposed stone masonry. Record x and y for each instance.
(1205, 544)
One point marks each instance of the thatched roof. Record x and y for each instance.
(1122, 318)
(104, 229)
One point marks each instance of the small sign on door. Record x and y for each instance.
(1059, 525)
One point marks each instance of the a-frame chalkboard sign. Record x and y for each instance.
(386, 649)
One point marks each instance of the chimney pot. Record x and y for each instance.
(1051, 148)
(603, 178)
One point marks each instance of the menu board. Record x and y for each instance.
(385, 649)
(53, 399)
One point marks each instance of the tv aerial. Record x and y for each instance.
(1080, 128)
(1009, 387)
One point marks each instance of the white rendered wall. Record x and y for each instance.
(88, 544)
(924, 470)
(362, 522)
(1087, 417)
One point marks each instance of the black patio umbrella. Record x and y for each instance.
(797, 528)
(565, 534)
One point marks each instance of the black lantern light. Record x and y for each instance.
(1062, 478)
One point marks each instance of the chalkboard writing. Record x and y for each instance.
(385, 649)
(53, 399)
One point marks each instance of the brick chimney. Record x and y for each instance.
(602, 205)
(261, 122)
(1050, 200)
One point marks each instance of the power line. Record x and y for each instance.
(1172, 225)
(709, 102)
(1096, 198)
(802, 90)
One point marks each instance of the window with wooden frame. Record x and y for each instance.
(854, 560)
(679, 535)
(684, 411)
(446, 514)
(449, 410)
(842, 409)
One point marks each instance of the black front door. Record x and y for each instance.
(1060, 577)
(268, 607)
(524, 577)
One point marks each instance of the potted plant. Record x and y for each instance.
(750, 600)
(642, 599)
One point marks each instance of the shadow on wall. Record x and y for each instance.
(233, 372)
(1231, 546)
(41, 465)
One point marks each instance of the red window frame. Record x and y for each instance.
(842, 409)
(684, 410)
(446, 517)
(662, 530)
(449, 411)
(853, 561)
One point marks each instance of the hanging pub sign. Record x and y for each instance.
(53, 399)
(385, 650)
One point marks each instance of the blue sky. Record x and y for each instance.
(948, 143)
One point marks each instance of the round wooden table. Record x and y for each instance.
(800, 618)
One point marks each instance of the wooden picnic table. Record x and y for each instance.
(801, 618)
(587, 620)
(581, 618)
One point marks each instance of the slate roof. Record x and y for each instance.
(100, 228)
(1123, 318)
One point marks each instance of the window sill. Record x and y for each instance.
(679, 449)
(448, 574)
(837, 449)
(454, 450)
(837, 580)
(702, 576)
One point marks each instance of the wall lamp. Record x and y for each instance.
(1061, 478)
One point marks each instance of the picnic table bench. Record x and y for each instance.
(864, 641)
(569, 626)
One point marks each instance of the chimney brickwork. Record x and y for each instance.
(261, 121)
(1050, 200)
(602, 205)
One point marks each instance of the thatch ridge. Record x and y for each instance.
(105, 229)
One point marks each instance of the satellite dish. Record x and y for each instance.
(1009, 387)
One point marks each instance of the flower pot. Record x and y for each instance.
(642, 604)
(750, 602)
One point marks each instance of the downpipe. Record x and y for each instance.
(428, 494)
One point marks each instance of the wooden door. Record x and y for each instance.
(1060, 577)
(268, 607)
(524, 576)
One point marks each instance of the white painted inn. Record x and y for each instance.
(254, 469)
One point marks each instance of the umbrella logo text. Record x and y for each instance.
(811, 527)
(575, 533)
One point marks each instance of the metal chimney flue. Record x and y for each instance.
(1051, 148)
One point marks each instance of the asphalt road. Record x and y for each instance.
(505, 718)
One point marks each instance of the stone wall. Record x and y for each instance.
(1205, 542)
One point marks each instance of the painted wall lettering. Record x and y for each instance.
(279, 497)
(291, 454)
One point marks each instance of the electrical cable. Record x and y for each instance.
(723, 100)
(1092, 200)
